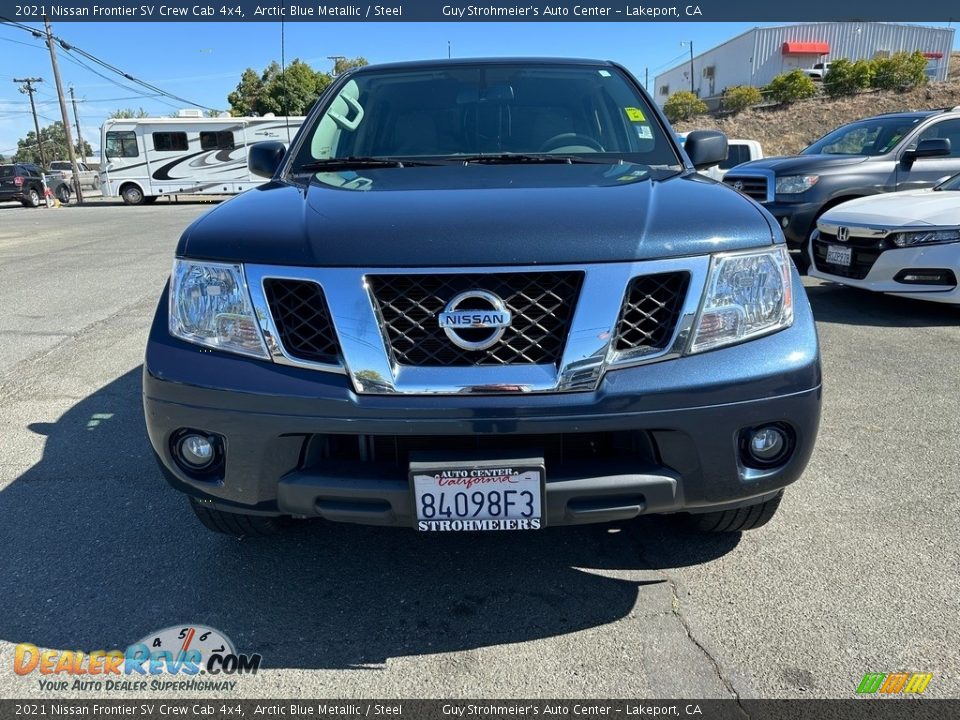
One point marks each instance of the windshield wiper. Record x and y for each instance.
(520, 158)
(349, 163)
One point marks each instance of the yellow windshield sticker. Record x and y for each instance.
(635, 114)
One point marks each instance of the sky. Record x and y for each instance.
(202, 62)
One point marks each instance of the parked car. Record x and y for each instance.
(64, 170)
(905, 243)
(738, 152)
(818, 71)
(483, 295)
(881, 154)
(24, 183)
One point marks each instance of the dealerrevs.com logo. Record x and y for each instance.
(172, 659)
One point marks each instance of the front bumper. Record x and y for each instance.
(690, 409)
(797, 220)
(889, 263)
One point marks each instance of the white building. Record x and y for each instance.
(758, 55)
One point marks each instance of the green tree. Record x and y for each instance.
(284, 92)
(54, 145)
(246, 98)
(342, 64)
(293, 90)
(900, 71)
(126, 113)
(741, 97)
(683, 105)
(791, 87)
(847, 78)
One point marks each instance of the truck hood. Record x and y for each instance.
(800, 164)
(902, 209)
(478, 215)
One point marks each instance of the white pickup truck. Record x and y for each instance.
(738, 151)
(818, 71)
(88, 178)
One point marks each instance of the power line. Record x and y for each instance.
(122, 86)
(73, 49)
(671, 62)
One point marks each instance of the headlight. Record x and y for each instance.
(793, 184)
(210, 306)
(926, 237)
(748, 294)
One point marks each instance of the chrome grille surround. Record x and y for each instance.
(590, 348)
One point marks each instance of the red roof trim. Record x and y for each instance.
(806, 48)
(933, 55)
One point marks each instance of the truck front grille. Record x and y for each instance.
(750, 185)
(303, 321)
(650, 312)
(541, 305)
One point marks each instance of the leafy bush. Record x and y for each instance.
(792, 86)
(899, 71)
(848, 78)
(741, 97)
(683, 105)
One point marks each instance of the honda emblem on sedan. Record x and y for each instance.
(843, 233)
(468, 314)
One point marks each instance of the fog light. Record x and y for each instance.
(784, 221)
(196, 451)
(767, 443)
(766, 446)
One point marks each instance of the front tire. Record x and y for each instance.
(132, 195)
(63, 194)
(237, 524)
(96, 183)
(750, 517)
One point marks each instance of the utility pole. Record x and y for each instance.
(690, 43)
(27, 89)
(646, 79)
(76, 121)
(449, 50)
(337, 59)
(63, 110)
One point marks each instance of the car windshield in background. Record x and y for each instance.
(950, 183)
(876, 136)
(465, 111)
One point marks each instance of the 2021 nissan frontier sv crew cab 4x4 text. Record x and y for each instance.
(486, 294)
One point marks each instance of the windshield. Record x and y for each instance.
(7, 171)
(876, 136)
(471, 110)
(950, 183)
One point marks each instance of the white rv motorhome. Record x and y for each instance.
(144, 158)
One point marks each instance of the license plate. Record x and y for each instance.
(477, 495)
(838, 255)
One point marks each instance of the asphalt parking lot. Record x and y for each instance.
(857, 573)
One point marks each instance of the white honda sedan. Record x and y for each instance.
(905, 243)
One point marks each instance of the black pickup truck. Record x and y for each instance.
(885, 153)
(483, 295)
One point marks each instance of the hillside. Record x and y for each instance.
(785, 130)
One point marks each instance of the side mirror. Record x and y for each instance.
(931, 147)
(706, 148)
(264, 158)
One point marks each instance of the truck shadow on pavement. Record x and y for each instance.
(838, 304)
(99, 552)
